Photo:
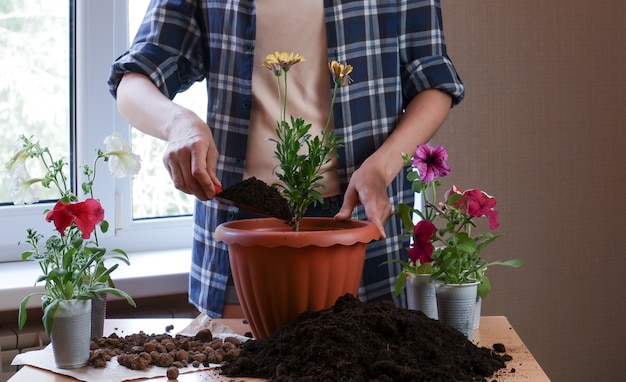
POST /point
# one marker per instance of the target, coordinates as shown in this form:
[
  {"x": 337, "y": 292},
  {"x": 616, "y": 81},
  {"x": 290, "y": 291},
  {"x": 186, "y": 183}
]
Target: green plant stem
[
  {"x": 433, "y": 193},
  {"x": 52, "y": 168},
  {"x": 332, "y": 102},
  {"x": 283, "y": 116}
]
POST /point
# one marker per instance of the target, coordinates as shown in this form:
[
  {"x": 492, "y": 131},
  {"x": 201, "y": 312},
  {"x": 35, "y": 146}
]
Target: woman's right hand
[{"x": 191, "y": 154}]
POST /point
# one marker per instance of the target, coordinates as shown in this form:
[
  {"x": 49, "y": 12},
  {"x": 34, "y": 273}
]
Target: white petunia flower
[
  {"x": 16, "y": 166},
  {"x": 25, "y": 191},
  {"x": 122, "y": 161}
]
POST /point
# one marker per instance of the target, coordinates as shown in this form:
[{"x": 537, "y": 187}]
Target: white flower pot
[
  {"x": 71, "y": 334},
  {"x": 421, "y": 294},
  {"x": 478, "y": 307},
  {"x": 456, "y": 304},
  {"x": 477, "y": 312}
]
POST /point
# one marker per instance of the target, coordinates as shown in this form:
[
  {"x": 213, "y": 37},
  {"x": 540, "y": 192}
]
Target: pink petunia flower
[
  {"x": 479, "y": 204},
  {"x": 430, "y": 162}
]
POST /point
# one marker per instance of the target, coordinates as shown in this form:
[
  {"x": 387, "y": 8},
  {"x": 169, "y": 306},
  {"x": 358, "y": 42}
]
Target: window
[
  {"x": 71, "y": 111},
  {"x": 35, "y": 87},
  {"x": 166, "y": 201}
]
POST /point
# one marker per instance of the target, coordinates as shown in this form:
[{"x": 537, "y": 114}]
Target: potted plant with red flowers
[
  {"x": 444, "y": 234},
  {"x": 283, "y": 267},
  {"x": 72, "y": 263}
]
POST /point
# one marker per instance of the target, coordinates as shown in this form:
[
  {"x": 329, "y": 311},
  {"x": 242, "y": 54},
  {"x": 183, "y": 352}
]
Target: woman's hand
[
  {"x": 368, "y": 187},
  {"x": 191, "y": 154},
  {"x": 191, "y": 157}
]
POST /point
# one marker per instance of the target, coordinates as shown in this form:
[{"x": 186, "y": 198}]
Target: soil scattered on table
[
  {"x": 256, "y": 196},
  {"x": 141, "y": 351},
  {"x": 356, "y": 341}
]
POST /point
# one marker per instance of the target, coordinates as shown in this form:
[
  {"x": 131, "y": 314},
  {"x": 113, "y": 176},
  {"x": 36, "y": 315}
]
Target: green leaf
[
  {"x": 484, "y": 287},
  {"x": 453, "y": 198},
  {"x": 68, "y": 290},
  {"x": 49, "y": 314},
  {"x": 104, "y": 226},
  {"x": 425, "y": 268},
  {"x": 23, "y": 309},
  {"x": 515, "y": 263},
  {"x": 399, "y": 285},
  {"x": 119, "y": 293},
  {"x": 404, "y": 212},
  {"x": 105, "y": 275},
  {"x": 412, "y": 176},
  {"x": 466, "y": 244},
  {"x": 26, "y": 255}
]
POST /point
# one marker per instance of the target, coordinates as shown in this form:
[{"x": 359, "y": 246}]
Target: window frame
[{"x": 101, "y": 35}]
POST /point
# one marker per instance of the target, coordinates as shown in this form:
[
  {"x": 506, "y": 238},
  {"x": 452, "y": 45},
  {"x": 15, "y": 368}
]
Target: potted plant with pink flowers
[{"x": 442, "y": 240}]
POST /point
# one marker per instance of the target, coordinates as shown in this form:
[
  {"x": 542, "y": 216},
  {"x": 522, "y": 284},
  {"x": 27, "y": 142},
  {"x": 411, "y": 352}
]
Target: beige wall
[{"x": 543, "y": 129}]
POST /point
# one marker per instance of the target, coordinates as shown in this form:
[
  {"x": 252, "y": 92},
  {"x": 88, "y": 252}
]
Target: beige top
[{"x": 303, "y": 31}]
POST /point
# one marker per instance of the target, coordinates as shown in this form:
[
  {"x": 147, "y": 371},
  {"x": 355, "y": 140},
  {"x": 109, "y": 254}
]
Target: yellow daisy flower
[
  {"x": 340, "y": 72},
  {"x": 281, "y": 62}
]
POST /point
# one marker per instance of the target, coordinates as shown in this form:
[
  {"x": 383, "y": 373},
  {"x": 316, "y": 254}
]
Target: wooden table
[{"x": 493, "y": 329}]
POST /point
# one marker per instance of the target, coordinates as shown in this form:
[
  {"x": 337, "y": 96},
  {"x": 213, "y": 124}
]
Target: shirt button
[{"x": 245, "y": 104}]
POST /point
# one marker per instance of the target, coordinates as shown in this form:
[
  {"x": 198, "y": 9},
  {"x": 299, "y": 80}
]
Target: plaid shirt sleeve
[
  {"x": 397, "y": 50},
  {"x": 169, "y": 48},
  {"x": 423, "y": 56}
]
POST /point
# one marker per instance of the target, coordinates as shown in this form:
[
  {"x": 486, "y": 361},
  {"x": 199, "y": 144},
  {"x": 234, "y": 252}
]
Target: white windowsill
[{"x": 149, "y": 274}]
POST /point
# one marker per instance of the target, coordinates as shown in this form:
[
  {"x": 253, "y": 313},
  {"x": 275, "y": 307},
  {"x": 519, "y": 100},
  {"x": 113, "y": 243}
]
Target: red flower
[
  {"x": 475, "y": 203},
  {"x": 422, "y": 249},
  {"x": 480, "y": 204},
  {"x": 85, "y": 214}
]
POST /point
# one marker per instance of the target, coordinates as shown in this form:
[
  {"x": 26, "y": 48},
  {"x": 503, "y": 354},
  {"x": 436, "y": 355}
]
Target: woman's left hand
[{"x": 368, "y": 187}]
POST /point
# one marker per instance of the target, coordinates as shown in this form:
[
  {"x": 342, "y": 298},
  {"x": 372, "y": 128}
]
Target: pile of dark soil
[
  {"x": 355, "y": 341},
  {"x": 256, "y": 196}
]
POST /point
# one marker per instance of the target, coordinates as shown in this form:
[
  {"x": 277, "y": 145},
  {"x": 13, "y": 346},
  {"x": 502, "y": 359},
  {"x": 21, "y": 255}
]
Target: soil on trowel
[
  {"x": 356, "y": 341},
  {"x": 257, "y": 197}
]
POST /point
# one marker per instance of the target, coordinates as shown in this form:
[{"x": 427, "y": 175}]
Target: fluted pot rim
[{"x": 318, "y": 231}]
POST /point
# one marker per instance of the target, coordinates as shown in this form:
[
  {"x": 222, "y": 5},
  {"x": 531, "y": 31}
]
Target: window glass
[
  {"x": 34, "y": 90},
  {"x": 54, "y": 88},
  {"x": 163, "y": 199}
]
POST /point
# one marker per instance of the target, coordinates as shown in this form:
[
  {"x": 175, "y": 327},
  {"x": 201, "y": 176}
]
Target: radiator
[{"x": 14, "y": 341}]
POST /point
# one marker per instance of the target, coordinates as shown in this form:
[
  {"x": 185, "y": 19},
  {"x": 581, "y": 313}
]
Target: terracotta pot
[{"x": 280, "y": 274}]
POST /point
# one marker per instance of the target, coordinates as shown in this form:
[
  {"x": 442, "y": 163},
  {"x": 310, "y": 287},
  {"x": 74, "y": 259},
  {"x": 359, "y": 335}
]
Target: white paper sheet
[{"x": 114, "y": 372}]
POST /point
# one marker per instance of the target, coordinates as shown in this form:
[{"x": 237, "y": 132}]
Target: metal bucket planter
[{"x": 71, "y": 334}]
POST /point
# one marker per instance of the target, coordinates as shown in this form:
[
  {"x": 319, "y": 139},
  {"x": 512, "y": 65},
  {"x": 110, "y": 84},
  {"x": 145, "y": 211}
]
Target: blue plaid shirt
[{"x": 397, "y": 49}]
